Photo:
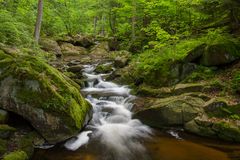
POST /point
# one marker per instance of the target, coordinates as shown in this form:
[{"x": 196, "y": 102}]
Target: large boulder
[
  {"x": 68, "y": 49},
  {"x": 50, "y": 101},
  {"x": 214, "y": 54},
  {"x": 51, "y": 46},
  {"x": 78, "y": 40},
  {"x": 171, "y": 111},
  {"x": 83, "y": 41}
]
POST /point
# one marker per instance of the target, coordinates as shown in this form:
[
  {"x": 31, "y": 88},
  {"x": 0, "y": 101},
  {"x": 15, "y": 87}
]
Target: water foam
[{"x": 112, "y": 122}]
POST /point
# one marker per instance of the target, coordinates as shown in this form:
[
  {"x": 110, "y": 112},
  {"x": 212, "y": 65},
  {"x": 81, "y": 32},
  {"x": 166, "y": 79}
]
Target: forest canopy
[{"x": 139, "y": 24}]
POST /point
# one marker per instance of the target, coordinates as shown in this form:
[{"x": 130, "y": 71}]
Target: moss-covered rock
[
  {"x": 50, "y": 45},
  {"x": 16, "y": 155},
  {"x": 178, "y": 89},
  {"x": 3, "y": 116},
  {"x": 162, "y": 92},
  {"x": 104, "y": 68},
  {"x": 78, "y": 40},
  {"x": 100, "y": 52},
  {"x": 216, "y": 128},
  {"x": 219, "y": 107},
  {"x": 120, "y": 58},
  {"x": 82, "y": 40},
  {"x": 49, "y": 100},
  {"x": 68, "y": 49},
  {"x": 216, "y": 54},
  {"x": 171, "y": 111}
]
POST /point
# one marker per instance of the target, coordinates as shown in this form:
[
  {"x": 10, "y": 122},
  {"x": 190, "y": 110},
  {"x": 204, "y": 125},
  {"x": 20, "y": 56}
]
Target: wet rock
[
  {"x": 73, "y": 63},
  {"x": 3, "y": 116},
  {"x": 51, "y": 46},
  {"x": 75, "y": 69},
  {"x": 49, "y": 100}
]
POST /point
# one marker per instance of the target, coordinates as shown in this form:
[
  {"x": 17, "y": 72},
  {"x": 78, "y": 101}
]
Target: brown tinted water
[{"x": 162, "y": 146}]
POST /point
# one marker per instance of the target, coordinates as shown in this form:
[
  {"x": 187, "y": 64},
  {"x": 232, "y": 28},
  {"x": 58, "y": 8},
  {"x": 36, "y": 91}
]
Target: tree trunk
[
  {"x": 134, "y": 19},
  {"x": 38, "y": 21},
  {"x": 103, "y": 26},
  {"x": 95, "y": 21}
]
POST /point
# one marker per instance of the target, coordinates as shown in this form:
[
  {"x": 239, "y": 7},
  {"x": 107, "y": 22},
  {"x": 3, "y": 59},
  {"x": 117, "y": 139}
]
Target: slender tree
[
  {"x": 134, "y": 19},
  {"x": 38, "y": 21}
]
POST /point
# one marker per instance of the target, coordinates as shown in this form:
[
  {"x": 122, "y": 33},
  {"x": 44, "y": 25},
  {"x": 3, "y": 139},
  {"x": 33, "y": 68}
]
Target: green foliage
[
  {"x": 236, "y": 82},
  {"x": 13, "y": 32},
  {"x": 152, "y": 65},
  {"x": 3, "y": 146}
]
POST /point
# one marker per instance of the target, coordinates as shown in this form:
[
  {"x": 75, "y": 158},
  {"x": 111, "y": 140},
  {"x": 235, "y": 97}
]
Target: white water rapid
[{"x": 112, "y": 124}]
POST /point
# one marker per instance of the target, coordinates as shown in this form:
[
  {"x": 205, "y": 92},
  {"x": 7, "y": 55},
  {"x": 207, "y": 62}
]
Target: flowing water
[
  {"x": 112, "y": 134},
  {"x": 112, "y": 124}
]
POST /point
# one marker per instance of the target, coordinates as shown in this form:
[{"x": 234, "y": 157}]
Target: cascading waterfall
[{"x": 112, "y": 124}]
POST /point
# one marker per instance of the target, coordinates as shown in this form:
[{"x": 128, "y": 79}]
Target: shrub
[{"x": 12, "y": 31}]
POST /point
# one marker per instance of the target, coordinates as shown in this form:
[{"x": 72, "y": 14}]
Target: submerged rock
[{"x": 49, "y": 100}]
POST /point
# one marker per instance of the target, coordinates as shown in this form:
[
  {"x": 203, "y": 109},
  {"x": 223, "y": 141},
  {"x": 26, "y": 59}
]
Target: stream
[{"x": 112, "y": 134}]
